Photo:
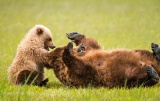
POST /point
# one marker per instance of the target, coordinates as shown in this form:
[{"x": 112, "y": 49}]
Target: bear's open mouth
[
  {"x": 50, "y": 47},
  {"x": 47, "y": 48}
]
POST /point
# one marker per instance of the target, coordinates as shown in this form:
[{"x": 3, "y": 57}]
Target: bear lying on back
[
  {"x": 57, "y": 64},
  {"x": 68, "y": 76},
  {"x": 112, "y": 68},
  {"x": 32, "y": 55}
]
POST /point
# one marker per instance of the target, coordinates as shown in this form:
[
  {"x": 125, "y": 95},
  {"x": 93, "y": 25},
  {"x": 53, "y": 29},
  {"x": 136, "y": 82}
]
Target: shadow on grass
[{"x": 55, "y": 85}]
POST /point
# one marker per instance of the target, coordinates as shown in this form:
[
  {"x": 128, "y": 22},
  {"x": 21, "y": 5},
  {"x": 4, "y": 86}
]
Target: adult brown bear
[
  {"x": 57, "y": 64},
  {"x": 115, "y": 68}
]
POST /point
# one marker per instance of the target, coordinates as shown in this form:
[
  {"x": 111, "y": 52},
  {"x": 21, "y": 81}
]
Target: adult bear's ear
[{"x": 39, "y": 31}]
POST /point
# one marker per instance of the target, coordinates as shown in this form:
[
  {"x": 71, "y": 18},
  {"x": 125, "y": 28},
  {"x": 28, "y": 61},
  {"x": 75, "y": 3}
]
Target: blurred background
[{"x": 129, "y": 24}]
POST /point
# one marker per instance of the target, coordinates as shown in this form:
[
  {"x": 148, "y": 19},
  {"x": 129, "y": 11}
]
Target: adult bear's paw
[
  {"x": 81, "y": 48},
  {"x": 70, "y": 46},
  {"x": 156, "y": 50},
  {"x": 73, "y": 35},
  {"x": 152, "y": 73}
]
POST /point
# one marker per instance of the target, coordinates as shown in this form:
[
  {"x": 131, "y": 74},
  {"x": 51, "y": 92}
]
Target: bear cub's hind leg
[
  {"x": 156, "y": 50},
  {"x": 31, "y": 77}
]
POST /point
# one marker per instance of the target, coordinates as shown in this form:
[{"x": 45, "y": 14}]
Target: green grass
[{"x": 132, "y": 24}]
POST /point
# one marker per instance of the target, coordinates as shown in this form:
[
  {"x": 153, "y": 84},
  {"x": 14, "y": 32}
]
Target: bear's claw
[
  {"x": 73, "y": 35},
  {"x": 44, "y": 82},
  {"x": 81, "y": 48},
  {"x": 70, "y": 46},
  {"x": 152, "y": 73},
  {"x": 156, "y": 50}
]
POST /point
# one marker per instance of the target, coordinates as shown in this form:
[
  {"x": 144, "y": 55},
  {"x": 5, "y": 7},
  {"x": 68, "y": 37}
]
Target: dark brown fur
[
  {"x": 56, "y": 62},
  {"x": 93, "y": 67},
  {"x": 111, "y": 68}
]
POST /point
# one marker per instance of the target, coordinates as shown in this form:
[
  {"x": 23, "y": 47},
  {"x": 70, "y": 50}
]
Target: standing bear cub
[{"x": 32, "y": 56}]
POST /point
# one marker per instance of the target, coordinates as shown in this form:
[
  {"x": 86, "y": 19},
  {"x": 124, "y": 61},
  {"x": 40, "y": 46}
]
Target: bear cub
[{"x": 32, "y": 57}]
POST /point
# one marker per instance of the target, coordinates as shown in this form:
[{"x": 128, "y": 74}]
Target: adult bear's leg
[
  {"x": 156, "y": 50},
  {"x": 74, "y": 64},
  {"x": 153, "y": 77}
]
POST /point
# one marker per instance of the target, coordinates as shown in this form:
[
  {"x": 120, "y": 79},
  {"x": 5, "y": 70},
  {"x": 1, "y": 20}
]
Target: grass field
[{"x": 132, "y": 24}]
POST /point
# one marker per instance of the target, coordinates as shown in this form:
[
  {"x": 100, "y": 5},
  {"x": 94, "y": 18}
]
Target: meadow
[{"x": 127, "y": 24}]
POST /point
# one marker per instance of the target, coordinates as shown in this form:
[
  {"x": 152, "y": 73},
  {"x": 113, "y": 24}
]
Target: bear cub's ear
[{"x": 39, "y": 31}]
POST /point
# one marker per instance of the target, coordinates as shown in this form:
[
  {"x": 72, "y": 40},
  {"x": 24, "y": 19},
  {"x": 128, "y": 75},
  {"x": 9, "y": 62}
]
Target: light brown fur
[{"x": 32, "y": 55}]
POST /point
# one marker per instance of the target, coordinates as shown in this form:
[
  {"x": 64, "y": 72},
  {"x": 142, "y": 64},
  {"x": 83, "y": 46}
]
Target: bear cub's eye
[{"x": 49, "y": 39}]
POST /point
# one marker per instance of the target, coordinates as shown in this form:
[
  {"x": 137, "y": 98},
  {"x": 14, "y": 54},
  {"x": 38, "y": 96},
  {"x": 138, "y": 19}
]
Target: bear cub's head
[{"x": 41, "y": 36}]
